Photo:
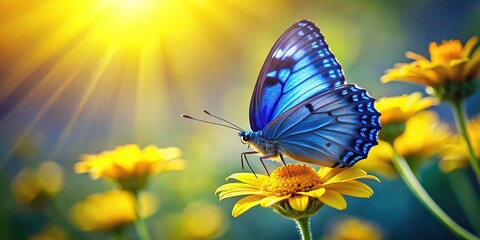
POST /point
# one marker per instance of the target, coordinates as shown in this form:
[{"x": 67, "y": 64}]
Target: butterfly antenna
[
  {"x": 214, "y": 123},
  {"x": 221, "y": 119}
]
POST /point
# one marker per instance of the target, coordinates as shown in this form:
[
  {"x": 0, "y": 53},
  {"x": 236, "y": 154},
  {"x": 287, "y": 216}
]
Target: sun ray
[
  {"x": 91, "y": 86},
  {"x": 45, "y": 51},
  {"x": 30, "y": 98},
  {"x": 77, "y": 69}
]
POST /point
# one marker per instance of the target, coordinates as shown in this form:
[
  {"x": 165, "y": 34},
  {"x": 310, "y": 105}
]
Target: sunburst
[{"x": 65, "y": 65}]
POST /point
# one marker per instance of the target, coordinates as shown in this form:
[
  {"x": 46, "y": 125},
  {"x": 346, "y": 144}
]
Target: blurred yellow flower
[
  {"x": 50, "y": 233},
  {"x": 110, "y": 210},
  {"x": 354, "y": 229},
  {"x": 401, "y": 108},
  {"x": 450, "y": 71},
  {"x": 201, "y": 220},
  {"x": 397, "y": 110},
  {"x": 424, "y": 137},
  {"x": 455, "y": 155},
  {"x": 33, "y": 187},
  {"x": 379, "y": 160},
  {"x": 296, "y": 190},
  {"x": 129, "y": 165}
]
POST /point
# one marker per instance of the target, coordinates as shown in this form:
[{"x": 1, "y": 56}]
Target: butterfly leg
[
  {"x": 265, "y": 167},
  {"x": 244, "y": 156},
  {"x": 283, "y": 161},
  {"x": 272, "y": 155}
]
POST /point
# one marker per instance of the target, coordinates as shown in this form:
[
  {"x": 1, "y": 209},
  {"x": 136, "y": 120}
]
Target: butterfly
[{"x": 303, "y": 109}]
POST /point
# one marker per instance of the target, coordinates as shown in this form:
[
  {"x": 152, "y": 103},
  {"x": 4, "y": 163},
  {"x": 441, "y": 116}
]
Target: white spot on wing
[
  {"x": 272, "y": 74},
  {"x": 278, "y": 53},
  {"x": 290, "y": 52}
]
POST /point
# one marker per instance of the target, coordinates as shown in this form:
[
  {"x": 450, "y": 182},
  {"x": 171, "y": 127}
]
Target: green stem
[
  {"x": 303, "y": 225},
  {"x": 460, "y": 119},
  {"x": 142, "y": 231},
  {"x": 409, "y": 178}
]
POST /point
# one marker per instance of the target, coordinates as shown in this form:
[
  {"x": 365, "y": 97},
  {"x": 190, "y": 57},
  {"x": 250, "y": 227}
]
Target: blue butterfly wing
[
  {"x": 336, "y": 128},
  {"x": 299, "y": 66}
]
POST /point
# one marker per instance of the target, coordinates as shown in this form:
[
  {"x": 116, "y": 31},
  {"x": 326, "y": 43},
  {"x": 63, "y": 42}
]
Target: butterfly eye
[{"x": 245, "y": 137}]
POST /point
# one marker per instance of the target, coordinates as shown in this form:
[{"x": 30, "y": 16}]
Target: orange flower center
[
  {"x": 445, "y": 52},
  {"x": 290, "y": 179}
]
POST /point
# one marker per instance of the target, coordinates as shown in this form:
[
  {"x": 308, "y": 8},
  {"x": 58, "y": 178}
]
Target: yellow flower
[
  {"x": 50, "y": 233},
  {"x": 354, "y": 229},
  {"x": 455, "y": 155},
  {"x": 450, "y": 70},
  {"x": 401, "y": 108},
  {"x": 379, "y": 160},
  {"x": 423, "y": 138},
  {"x": 296, "y": 190},
  {"x": 111, "y": 210},
  {"x": 397, "y": 110},
  {"x": 194, "y": 225},
  {"x": 34, "y": 187},
  {"x": 129, "y": 165}
]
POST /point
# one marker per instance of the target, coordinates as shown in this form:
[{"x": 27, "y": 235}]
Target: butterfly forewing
[
  {"x": 336, "y": 128},
  {"x": 299, "y": 66}
]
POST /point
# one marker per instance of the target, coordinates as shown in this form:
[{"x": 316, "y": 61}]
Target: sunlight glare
[{"x": 97, "y": 62}]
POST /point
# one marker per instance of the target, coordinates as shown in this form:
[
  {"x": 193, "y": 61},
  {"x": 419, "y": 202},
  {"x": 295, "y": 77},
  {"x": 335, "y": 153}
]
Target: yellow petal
[
  {"x": 170, "y": 165},
  {"x": 230, "y": 194},
  {"x": 472, "y": 69},
  {"x": 414, "y": 79},
  {"x": 299, "y": 203},
  {"x": 447, "y": 165},
  {"x": 229, "y": 187},
  {"x": 315, "y": 193},
  {"x": 169, "y": 152},
  {"x": 271, "y": 200},
  {"x": 427, "y": 75},
  {"x": 467, "y": 49},
  {"x": 326, "y": 173},
  {"x": 352, "y": 188},
  {"x": 81, "y": 167},
  {"x": 237, "y": 189},
  {"x": 413, "y": 73},
  {"x": 333, "y": 199},
  {"x": 415, "y": 56},
  {"x": 456, "y": 69},
  {"x": 246, "y": 203},
  {"x": 370, "y": 177},
  {"x": 249, "y": 178},
  {"x": 348, "y": 174}
]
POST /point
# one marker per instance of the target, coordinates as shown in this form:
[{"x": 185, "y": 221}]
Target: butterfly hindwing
[
  {"x": 299, "y": 66},
  {"x": 336, "y": 128}
]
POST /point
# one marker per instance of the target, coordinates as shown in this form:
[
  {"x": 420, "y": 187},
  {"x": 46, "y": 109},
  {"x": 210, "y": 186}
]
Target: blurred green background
[{"x": 87, "y": 76}]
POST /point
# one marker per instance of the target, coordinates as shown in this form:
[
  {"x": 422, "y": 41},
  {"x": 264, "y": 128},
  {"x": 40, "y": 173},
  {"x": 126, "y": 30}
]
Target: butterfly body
[
  {"x": 302, "y": 108},
  {"x": 263, "y": 146}
]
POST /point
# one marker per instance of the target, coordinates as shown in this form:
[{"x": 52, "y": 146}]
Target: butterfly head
[{"x": 245, "y": 136}]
